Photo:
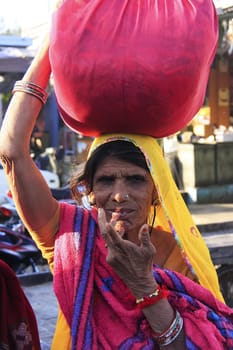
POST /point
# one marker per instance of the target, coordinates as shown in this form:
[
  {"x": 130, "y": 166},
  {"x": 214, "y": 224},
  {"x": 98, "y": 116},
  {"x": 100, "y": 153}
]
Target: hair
[{"x": 82, "y": 182}]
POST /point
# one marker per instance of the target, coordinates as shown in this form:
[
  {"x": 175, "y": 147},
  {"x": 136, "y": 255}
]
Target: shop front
[{"x": 204, "y": 154}]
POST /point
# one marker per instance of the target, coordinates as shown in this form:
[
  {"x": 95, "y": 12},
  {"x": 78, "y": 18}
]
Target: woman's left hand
[{"x": 133, "y": 263}]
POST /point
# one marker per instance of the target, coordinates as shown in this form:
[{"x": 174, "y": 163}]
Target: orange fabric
[
  {"x": 62, "y": 336},
  {"x": 175, "y": 262},
  {"x": 45, "y": 237}
]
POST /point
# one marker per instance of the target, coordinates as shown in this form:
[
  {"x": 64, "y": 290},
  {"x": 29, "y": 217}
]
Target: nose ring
[{"x": 126, "y": 196}]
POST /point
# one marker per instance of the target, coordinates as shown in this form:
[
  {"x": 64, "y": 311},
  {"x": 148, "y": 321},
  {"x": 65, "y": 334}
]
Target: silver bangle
[{"x": 171, "y": 333}]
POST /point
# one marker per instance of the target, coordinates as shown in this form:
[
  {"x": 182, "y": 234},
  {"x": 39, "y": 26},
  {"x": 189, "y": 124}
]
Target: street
[{"x": 44, "y": 303}]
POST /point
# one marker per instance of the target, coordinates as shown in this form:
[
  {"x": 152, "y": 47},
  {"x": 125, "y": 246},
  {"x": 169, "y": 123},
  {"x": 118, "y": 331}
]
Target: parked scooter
[
  {"x": 18, "y": 251},
  {"x": 49, "y": 162},
  {"x": 9, "y": 215},
  {"x": 62, "y": 193},
  {"x": 51, "y": 178},
  {"x": 17, "y": 248}
]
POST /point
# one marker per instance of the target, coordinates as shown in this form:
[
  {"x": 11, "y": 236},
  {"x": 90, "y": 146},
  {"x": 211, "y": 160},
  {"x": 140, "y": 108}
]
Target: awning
[
  {"x": 14, "y": 60},
  {"x": 224, "y": 8},
  {"x": 13, "y": 64}
]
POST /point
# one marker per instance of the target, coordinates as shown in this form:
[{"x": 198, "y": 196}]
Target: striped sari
[{"x": 99, "y": 308}]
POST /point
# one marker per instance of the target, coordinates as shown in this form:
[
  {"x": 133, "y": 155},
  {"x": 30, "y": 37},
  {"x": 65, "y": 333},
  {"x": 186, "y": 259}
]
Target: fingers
[
  {"x": 113, "y": 232},
  {"x": 102, "y": 221},
  {"x": 105, "y": 228},
  {"x": 144, "y": 235},
  {"x": 117, "y": 225}
]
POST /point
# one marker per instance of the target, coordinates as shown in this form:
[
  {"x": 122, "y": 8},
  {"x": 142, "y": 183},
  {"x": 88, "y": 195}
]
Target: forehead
[{"x": 113, "y": 165}]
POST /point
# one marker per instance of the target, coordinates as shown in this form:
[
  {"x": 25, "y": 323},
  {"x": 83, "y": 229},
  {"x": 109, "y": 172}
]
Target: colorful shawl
[
  {"x": 99, "y": 308},
  {"x": 18, "y": 327}
]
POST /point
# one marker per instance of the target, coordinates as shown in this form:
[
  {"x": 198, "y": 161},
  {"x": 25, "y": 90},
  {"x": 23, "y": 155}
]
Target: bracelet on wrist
[
  {"x": 171, "y": 333},
  {"x": 31, "y": 89},
  {"x": 153, "y": 298}
]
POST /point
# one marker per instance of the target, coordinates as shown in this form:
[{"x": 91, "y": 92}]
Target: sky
[
  {"x": 25, "y": 13},
  {"x": 29, "y": 13},
  {"x": 224, "y": 3}
]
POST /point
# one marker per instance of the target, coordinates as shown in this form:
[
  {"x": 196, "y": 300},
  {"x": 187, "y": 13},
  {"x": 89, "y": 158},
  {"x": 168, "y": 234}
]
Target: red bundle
[{"x": 137, "y": 66}]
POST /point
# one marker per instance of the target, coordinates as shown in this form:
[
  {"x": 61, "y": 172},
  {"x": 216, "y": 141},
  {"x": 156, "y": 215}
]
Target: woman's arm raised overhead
[{"x": 31, "y": 194}]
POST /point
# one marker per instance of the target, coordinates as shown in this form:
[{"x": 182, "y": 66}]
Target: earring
[
  {"x": 91, "y": 198},
  {"x": 155, "y": 202}
]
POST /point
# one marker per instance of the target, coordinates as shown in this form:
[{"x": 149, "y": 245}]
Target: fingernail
[{"x": 115, "y": 216}]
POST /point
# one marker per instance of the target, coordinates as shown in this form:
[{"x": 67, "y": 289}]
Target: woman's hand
[{"x": 131, "y": 262}]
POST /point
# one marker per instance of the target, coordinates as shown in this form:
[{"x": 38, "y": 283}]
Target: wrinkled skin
[
  {"x": 132, "y": 263},
  {"x": 122, "y": 221}
]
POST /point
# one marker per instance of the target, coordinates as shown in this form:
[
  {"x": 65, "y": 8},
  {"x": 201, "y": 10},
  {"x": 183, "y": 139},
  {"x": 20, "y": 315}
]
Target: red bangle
[
  {"x": 153, "y": 298},
  {"x": 171, "y": 333}
]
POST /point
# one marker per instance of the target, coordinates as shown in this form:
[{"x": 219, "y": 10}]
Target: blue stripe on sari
[
  {"x": 218, "y": 321},
  {"x": 190, "y": 345},
  {"x": 177, "y": 283},
  {"x": 84, "y": 277}
]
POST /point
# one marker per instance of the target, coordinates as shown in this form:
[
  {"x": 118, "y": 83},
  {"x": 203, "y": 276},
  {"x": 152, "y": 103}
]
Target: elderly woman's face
[{"x": 126, "y": 189}]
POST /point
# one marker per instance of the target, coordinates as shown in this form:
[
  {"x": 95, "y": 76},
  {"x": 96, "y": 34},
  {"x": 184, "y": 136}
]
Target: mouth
[
  {"x": 121, "y": 219},
  {"x": 119, "y": 213}
]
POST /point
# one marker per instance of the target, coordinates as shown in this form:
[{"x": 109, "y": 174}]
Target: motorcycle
[
  {"x": 51, "y": 178},
  {"x": 18, "y": 251},
  {"x": 17, "y": 248}
]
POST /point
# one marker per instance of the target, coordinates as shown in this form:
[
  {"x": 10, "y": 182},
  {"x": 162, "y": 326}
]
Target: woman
[
  {"x": 110, "y": 263},
  {"x": 18, "y": 325}
]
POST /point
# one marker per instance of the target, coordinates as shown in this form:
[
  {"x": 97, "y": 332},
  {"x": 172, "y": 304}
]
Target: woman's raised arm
[{"x": 31, "y": 194}]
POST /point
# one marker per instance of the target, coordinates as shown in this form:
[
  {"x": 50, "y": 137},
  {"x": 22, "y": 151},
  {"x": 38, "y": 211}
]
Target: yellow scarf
[{"x": 172, "y": 212}]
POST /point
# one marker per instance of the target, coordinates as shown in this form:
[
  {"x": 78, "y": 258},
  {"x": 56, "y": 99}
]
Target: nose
[
  {"x": 120, "y": 191},
  {"x": 120, "y": 197}
]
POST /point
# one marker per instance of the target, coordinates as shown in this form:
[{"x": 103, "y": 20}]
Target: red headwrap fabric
[
  {"x": 18, "y": 327},
  {"x": 132, "y": 66}
]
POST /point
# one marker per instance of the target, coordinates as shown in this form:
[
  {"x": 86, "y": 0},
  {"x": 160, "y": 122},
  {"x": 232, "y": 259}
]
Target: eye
[
  {"x": 136, "y": 179},
  {"x": 105, "y": 180}
]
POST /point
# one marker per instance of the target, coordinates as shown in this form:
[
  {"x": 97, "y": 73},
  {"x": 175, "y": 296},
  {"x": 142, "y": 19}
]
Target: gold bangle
[
  {"x": 153, "y": 298},
  {"x": 31, "y": 89}
]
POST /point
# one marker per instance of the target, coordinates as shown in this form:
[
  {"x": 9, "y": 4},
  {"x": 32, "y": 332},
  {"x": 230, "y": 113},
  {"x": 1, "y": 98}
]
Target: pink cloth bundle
[{"x": 132, "y": 66}]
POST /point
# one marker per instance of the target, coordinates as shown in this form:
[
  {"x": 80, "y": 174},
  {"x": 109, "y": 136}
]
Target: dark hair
[{"x": 120, "y": 149}]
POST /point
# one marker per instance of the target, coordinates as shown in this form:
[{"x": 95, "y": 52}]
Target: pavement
[
  {"x": 208, "y": 214},
  {"x": 44, "y": 304},
  {"x": 40, "y": 292}
]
